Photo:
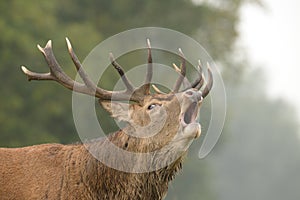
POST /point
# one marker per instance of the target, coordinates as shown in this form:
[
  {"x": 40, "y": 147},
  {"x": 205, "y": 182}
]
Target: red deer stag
[{"x": 56, "y": 171}]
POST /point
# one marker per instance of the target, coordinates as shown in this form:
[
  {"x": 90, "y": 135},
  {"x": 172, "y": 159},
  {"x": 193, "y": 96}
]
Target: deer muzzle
[{"x": 191, "y": 101}]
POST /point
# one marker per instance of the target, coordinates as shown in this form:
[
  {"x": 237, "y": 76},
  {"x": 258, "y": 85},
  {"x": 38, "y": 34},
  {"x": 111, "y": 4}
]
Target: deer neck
[{"x": 103, "y": 179}]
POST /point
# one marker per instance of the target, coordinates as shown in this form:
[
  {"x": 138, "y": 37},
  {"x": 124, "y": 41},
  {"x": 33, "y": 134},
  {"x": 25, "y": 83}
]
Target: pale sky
[{"x": 271, "y": 37}]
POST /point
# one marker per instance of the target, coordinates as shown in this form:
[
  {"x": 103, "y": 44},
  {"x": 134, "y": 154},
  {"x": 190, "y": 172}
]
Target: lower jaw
[{"x": 192, "y": 129}]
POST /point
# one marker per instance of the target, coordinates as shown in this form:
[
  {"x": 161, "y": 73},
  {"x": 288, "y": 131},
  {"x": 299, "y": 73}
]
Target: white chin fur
[
  {"x": 192, "y": 130},
  {"x": 187, "y": 133}
]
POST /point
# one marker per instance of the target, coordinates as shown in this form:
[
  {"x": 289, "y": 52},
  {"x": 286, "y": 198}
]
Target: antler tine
[
  {"x": 157, "y": 90},
  {"x": 209, "y": 82},
  {"x": 177, "y": 69},
  {"x": 56, "y": 73},
  {"x": 96, "y": 91},
  {"x": 99, "y": 92},
  {"x": 79, "y": 68},
  {"x": 182, "y": 72},
  {"x": 199, "y": 80},
  {"x": 149, "y": 69},
  {"x": 120, "y": 70},
  {"x": 200, "y": 83},
  {"x": 36, "y": 76}
]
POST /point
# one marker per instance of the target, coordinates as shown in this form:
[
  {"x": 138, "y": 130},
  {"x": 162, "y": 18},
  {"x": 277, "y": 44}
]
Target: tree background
[{"x": 257, "y": 155}]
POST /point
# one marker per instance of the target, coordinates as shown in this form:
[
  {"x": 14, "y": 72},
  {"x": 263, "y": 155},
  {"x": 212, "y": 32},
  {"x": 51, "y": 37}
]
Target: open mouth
[{"x": 191, "y": 113}]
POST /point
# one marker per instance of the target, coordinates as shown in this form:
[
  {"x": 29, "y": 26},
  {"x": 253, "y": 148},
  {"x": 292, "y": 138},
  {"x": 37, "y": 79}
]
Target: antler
[
  {"x": 130, "y": 93},
  {"x": 209, "y": 82},
  {"x": 198, "y": 83},
  {"x": 149, "y": 70},
  {"x": 57, "y": 74},
  {"x": 181, "y": 70}
]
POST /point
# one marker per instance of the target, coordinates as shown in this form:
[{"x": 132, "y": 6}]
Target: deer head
[{"x": 154, "y": 119}]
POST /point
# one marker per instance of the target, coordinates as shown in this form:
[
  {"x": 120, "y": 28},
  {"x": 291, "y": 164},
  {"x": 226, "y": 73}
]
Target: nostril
[{"x": 189, "y": 93}]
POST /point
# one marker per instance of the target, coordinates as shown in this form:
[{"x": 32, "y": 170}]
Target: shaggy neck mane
[{"x": 111, "y": 183}]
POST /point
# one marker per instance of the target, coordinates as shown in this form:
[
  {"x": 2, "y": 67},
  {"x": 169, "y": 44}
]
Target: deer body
[
  {"x": 55, "y": 171},
  {"x": 160, "y": 125},
  {"x": 21, "y": 180},
  {"x": 70, "y": 172}
]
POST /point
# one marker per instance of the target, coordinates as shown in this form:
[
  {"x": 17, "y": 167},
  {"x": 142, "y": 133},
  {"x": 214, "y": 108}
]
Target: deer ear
[{"x": 120, "y": 111}]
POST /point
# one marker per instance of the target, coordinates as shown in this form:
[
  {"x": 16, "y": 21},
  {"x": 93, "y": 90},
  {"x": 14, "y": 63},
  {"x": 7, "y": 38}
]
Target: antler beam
[
  {"x": 89, "y": 87},
  {"x": 130, "y": 93}
]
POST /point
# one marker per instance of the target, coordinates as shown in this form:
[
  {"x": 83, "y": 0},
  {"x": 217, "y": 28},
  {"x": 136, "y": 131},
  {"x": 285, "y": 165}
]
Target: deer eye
[{"x": 151, "y": 106}]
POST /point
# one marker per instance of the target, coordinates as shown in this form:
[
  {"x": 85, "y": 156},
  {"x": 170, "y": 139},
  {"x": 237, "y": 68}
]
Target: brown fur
[
  {"x": 162, "y": 125},
  {"x": 55, "y": 171}
]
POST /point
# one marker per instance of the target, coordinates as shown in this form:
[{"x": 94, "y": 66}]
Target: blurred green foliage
[{"x": 40, "y": 112}]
